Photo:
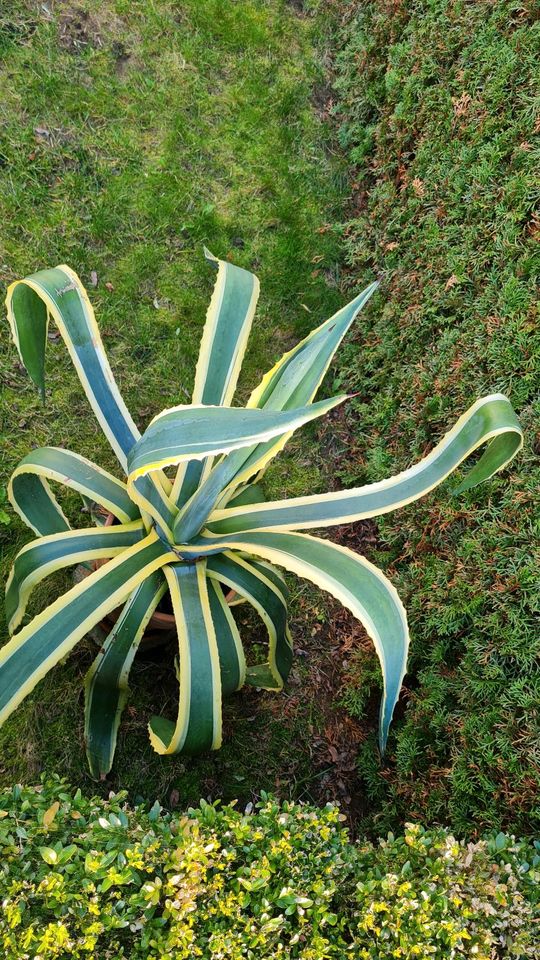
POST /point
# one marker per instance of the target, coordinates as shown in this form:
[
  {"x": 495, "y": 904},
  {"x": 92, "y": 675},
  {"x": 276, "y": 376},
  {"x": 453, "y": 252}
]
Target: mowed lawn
[{"x": 133, "y": 133}]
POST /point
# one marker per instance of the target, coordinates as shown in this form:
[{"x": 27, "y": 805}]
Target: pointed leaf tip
[{"x": 209, "y": 256}]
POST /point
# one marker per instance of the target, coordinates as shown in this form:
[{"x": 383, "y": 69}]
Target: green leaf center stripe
[
  {"x": 32, "y": 652},
  {"x": 489, "y": 420},
  {"x": 226, "y": 331},
  {"x": 254, "y": 583},
  {"x": 106, "y": 684},
  {"x": 32, "y": 499},
  {"x": 198, "y": 723},
  {"x": 356, "y": 583},
  {"x": 39, "y": 559},
  {"x": 273, "y": 574}
]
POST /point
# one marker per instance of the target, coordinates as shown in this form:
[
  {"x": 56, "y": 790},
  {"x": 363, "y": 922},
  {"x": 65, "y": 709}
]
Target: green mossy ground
[
  {"x": 132, "y": 134},
  {"x": 438, "y": 106}
]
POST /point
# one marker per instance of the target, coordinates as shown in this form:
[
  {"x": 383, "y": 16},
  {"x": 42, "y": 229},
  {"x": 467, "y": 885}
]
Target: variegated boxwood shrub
[{"x": 92, "y": 878}]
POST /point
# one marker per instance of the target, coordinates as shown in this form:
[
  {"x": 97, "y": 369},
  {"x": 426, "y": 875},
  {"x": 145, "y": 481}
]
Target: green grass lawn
[
  {"x": 132, "y": 133},
  {"x": 439, "y": 112}
]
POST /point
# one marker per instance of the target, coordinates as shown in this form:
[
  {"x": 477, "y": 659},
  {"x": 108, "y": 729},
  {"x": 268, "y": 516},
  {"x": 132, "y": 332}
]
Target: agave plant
[{"x": 210, "y": 527}]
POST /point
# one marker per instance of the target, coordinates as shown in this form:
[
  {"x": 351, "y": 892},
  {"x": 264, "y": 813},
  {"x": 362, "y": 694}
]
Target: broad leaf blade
[
  {"x": 198, "y": 723},
  {"x": 490, "y": 420},
  {"x": 355, "y": 582},
  {"x": 32, "y": 652},
  {"x": 297, "y": 376},
  {"x": 29, "y": 321},
  {"x": 39, "y": 559},
  {"x": 193, "y": 432},
  {"x": 267, "y": 593},
  {"x": 292, "y": 382},
  {"x": 232, "y": 661},
  {"x": 244, "y": 425},
  {"x": 226, "y": 332},
  {"x": 106, "y": 685},
  {"x": 32, "y": 498},
  {"x": 189, "y": 432},
  {"x": 60, "y": 294},
  {"x": 225, "y": 336},
  {"x": 250, "y": 493}
]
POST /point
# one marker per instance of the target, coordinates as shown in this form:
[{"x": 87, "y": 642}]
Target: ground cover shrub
[
  {"x": 437, "y": 107},
  {"x": 96, "y": 878}
]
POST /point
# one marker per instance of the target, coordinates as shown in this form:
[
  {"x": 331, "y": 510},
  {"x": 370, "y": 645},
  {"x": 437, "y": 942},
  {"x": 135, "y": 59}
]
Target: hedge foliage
[
  {"x": 438, "y": 109},
  {"x": 88, "y": 878}
]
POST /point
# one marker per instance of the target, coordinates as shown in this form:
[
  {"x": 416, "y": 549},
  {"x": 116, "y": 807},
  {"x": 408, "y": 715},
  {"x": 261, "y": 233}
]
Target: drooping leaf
[
  {"x": 232, "y": 661},
  {"x": 193, "y": 432},
  {"x": 260, "y": 586},
  {"x": 198, "y": 723},
  {"x": 490, "y": 420},
  {"x": 352, "y": 580},
  {"x": 32, "y": 652},
  {"x": 31, "y": 497},
  {"x": 106, "y": 684},
  {"x": 59, "y": 293}
]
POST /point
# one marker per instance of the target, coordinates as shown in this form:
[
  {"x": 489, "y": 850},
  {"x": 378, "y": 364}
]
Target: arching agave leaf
[
  {"x": 490, "y": 420},
  {"x": 223, "y": 345}
]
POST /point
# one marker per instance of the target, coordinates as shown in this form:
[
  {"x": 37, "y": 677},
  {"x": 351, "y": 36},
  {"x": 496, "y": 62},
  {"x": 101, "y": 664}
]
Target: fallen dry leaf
[{"x": 50, "y": 814}]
